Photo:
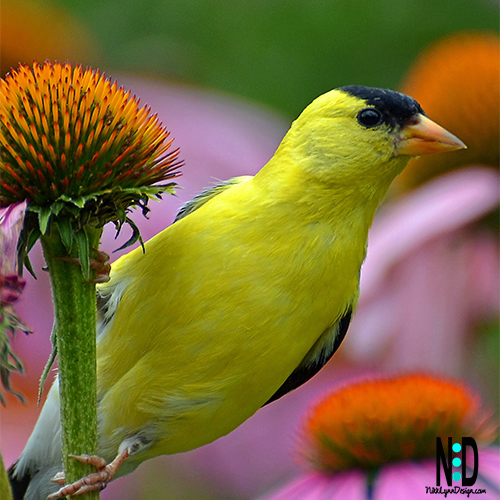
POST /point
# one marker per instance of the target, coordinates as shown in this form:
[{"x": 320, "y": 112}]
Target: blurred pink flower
[
  {"x": 400, "y": 480},
  {"x": 376, "y": 439},
  {"x": 431, "y": 275},
  {"x": 11, "y": 224},
  {"x": 11, "y": 287}
]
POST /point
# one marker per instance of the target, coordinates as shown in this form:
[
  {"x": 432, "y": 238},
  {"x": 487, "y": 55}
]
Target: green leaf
[
  {"x": 121, "y": 215},
  {"x": 29, "y": 266},
  {"x": 80, "y": 201},
  {"x": 74, "y": 204},
  {"x": 136, "y": 235},
  {"x": 74, "y": 210},
  {"x": 83, "y": 251},
  {"x": 32, "y": 237},
  {"x": 66, "y": 231},
  {"x": 28, "y": 238},
  {"x": 56, "y": 207},
  {"x": 48, "y": 365},
  {"x": 44, "y": 215}
]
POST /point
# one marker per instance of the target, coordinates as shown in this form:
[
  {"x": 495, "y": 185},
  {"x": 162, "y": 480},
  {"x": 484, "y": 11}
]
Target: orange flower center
[
  {"x": 457, "y": 82},
  {"x": 71, "y": 133},
  {"x": 373, "y": 422}
]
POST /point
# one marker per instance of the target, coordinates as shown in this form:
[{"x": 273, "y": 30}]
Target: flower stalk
[
  {"x": 5, "y": 489},
  {"x": 74, "y": 300},
  {"x": 81, "y": 152}
]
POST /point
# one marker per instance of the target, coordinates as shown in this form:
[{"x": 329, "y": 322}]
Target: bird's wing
[
  {"x": 109, "y": 294},
  {"x": 200, "y": 199},
  {"x": 317, "y": 357}
]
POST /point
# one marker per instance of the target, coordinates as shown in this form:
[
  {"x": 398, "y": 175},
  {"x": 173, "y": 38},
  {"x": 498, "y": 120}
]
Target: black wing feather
[{"x": 309, "y": 367}]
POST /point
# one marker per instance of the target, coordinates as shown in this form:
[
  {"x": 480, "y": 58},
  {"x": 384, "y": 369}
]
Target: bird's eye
[{"x": 369, "y": 117}]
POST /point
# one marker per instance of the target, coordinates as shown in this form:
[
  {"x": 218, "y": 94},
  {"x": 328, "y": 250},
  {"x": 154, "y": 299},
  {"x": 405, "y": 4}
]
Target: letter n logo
[{"x": 441, "y": 457}]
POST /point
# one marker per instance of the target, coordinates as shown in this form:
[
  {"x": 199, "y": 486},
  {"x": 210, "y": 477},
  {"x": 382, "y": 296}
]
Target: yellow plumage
[
  {"x": 251, "y": 281},
  {"x": 233, "y": 296}
]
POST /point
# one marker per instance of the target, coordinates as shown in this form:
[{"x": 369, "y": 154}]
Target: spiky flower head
[
  {"x": 457, "y": 82},
  {"x": 378, "y": 421},
  {"x": 78, "y": 147}
]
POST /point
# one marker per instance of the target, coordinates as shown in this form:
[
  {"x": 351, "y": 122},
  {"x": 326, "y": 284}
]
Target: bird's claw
[
  {"x": 59, "y": 478},
  {"x": 95, "y": 481},
  {"x": 99, "y": 264}
]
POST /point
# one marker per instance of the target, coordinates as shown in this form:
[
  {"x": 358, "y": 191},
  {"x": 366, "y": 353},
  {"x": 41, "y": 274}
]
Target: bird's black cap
[{"x": 396, "y": 108}]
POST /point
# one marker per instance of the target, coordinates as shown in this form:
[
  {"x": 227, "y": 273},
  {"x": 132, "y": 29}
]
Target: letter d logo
[{"x": 469, "y": 481}]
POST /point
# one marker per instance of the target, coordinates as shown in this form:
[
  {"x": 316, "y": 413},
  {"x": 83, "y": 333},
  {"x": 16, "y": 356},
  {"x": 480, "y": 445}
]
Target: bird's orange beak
[{"x": 424, "y": 137}]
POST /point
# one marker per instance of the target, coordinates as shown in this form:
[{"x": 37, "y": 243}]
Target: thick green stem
[{"x": 75, "y": 326}]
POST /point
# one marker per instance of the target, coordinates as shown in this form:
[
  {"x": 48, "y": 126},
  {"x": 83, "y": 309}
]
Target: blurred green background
[{"x": 280, "y": 53}]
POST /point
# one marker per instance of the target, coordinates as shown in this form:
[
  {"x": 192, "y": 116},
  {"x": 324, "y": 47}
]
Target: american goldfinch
[{"x": 246, "y": 295}]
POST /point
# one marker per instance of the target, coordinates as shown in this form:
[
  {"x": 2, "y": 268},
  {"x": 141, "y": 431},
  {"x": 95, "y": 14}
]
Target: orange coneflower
[
  {"x": 78, "y": 148},
  {"x": 68, "y": 132},
  {"x": 81, "y": 152},
  {"x": 457, "y": 82},
  {"x": 376, "y": 421},
  {"x": 37, "y": 30},
  {"x": 376, "y": 439}
]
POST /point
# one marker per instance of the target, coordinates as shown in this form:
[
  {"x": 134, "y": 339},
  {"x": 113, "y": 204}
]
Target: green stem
[
  {"x": 5, "y": 489},
  {"x": 75, "y": 327}
]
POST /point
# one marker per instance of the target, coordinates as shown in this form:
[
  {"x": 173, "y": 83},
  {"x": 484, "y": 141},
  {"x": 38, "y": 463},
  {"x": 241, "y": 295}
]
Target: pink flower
[
  {"x": 431, "y": 276},
  {"x": 11, "y": 224},
  {"x": 11, "y": 287},
  {"x": 376, "y": 439},
  {"x": 407, "y": 480}
]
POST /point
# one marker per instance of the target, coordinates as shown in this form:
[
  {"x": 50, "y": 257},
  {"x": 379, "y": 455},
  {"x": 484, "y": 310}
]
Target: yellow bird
[{"x": 246, "y": 295}]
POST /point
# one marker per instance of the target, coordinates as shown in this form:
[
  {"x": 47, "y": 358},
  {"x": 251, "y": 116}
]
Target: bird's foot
[
  {"x": 98, "y": 263},
  {"x": 96, "y": 481}
]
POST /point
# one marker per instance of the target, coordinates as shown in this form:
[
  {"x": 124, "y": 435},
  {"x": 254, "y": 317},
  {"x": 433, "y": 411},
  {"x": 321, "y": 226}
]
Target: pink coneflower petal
[
  {"x": 489, "y": 471},
  {"x": 304, "y": 487},
  {"x": 11, "y": 224},
  {"x": 429, "y": 274},
  {"x": 448, "y": 203},
  {"x": 349, "y": 485},
  {"x": 406, "y": 480}
]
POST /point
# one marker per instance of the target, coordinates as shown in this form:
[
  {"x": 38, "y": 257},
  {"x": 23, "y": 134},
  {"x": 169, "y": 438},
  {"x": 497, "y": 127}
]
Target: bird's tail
[
  {"x": 32, "y": 483},
  {"x": 19, "y": 485},
  {"x": 41, "y": 458}
]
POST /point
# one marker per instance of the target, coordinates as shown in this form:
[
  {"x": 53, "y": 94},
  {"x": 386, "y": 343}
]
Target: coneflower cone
[{"x": 78, "y": 148}]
